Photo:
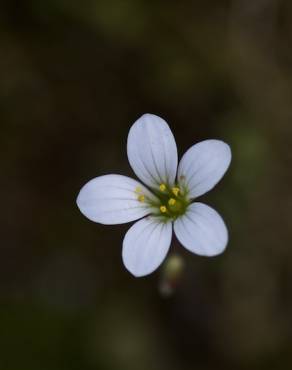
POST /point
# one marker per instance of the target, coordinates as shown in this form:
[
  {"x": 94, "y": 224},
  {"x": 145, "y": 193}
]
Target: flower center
[{"x": 171, "y": 202}]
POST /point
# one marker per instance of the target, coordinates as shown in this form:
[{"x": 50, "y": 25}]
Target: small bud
[{"x": 171, "y": 274}]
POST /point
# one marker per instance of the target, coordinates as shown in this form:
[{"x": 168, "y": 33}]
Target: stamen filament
[
  {"x": 163, "y": 209},
  {"x": 141, "y": 198},
  {"x": 175, "y": 191},
  {"x": 171, "y": 201},
  {"x": 162, "y": 187},
  {"x": 138, "y": 189}
]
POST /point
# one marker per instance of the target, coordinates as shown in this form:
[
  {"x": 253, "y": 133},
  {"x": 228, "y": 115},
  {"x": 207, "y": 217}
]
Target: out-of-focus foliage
[{"x": 74, "y": 75}]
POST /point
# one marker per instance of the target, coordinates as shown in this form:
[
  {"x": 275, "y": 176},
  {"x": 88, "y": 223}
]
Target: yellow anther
[
  {"x": 141, "y": 198},
  {"x": 138, "y": 189},
  {"x": 171, "y": 201},
  {"x": 162, "y": 187},
  {"x": 175, "y": 191},
  {"x": 163, "y": 209}
]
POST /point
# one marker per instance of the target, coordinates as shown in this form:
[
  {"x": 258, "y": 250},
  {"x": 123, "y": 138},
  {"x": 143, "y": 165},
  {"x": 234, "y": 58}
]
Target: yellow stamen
[
  {"x": 175, "y": 191},
  {"x": 141, "y": 198},
  {"x": 162, "y": 187},
  {"x": 171, "y": 201},
  {"x": 138, "y": 189},
  {"x": 163, "y": 209}
]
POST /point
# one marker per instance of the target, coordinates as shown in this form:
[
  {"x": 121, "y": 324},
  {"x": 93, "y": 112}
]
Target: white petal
[
  {"x": 145, "y": 245},
  {"x": 112, "y": 199},
  {"x": 203, "y": 166},
  {"x": 201, "y": 230},
  {"x": 152, "y": 151}
]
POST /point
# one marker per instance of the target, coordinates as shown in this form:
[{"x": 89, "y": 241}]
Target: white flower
[{"x": 167, "y": 201}]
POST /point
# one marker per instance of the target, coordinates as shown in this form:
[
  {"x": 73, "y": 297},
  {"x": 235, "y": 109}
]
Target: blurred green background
[{"x": 74, "y": 76}]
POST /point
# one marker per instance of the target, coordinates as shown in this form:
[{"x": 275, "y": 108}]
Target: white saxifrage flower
[{"x": 167, "y": 200}]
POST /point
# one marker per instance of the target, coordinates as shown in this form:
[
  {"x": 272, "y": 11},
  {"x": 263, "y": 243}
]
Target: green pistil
[{"x": 172, "y": 202}]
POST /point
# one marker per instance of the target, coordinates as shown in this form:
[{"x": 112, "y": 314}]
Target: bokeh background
[{"x": 74, "y": 76}]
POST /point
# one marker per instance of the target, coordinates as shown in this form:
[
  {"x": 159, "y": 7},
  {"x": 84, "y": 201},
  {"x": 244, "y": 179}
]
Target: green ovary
[{"x": 173, "y": 202}]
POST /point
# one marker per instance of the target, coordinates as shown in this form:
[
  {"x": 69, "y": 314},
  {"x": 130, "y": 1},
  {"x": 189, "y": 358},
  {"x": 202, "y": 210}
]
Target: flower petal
[
  {"x": 145, "y": 245},
  {"x": 113, "y": 199},
  {"x": 203, "y": 166},
  {"x": 202, "y": 230},
  {"x": 152, "y": 151}
]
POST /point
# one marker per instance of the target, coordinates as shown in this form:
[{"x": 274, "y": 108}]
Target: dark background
[{"x": 74, "y": 76}]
